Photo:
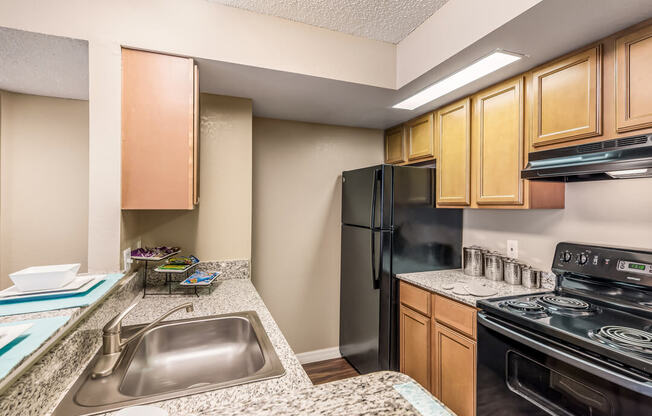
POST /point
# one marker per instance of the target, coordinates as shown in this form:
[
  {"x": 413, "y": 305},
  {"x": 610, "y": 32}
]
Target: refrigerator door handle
[{"x": 374, "y": 198}]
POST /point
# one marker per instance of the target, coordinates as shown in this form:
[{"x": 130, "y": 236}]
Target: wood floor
[{"x": 329, "y": 370}]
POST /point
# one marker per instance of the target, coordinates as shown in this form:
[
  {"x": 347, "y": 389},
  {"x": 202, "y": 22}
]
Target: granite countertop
[
  {"x": 434, "y": 281},
  {"x": 371, "y": 394},
  {"x": 233, "y": 295}
]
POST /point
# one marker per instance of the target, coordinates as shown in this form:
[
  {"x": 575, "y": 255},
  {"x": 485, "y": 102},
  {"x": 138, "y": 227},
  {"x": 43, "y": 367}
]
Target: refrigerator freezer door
[
  {"x": 366, "y": 197},
  {"x": 425, "y": 237},
  {"x": 359, "y": 299}
]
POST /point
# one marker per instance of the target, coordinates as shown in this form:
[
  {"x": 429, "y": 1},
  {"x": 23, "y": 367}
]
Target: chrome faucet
[{"x": 113, "y": 344}]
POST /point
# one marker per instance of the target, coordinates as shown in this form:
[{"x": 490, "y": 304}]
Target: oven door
[{"x": 521, "y": 374}]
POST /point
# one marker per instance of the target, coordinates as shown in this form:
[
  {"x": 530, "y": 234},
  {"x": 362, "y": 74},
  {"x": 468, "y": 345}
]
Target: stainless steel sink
[{"x": 178, "y": 358}]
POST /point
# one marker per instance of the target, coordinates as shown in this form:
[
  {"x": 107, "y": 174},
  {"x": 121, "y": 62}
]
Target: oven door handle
[{"x": 643, "y": 387}]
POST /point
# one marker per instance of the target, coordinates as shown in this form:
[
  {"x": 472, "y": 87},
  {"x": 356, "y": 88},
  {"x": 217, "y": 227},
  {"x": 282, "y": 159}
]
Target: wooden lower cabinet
[
  {"x": 415, "y": 346},
  {"x": 439, "y": 352},
  {"x": 453, "y": 358}
]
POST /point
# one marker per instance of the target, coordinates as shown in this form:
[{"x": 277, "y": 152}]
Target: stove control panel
[{"x": 613, "y": 263}]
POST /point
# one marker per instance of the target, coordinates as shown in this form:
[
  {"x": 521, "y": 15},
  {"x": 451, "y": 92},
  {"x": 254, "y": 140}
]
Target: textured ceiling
[
  {"x": 385, "y": 20},
  {"x": 51, "y": 66}
]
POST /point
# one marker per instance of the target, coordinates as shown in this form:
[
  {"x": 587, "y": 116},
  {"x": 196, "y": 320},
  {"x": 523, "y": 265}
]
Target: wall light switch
[{"x": 512, "y": 248}]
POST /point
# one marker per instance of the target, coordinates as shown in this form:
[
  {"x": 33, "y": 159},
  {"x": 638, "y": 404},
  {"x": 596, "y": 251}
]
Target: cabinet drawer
[
  {"x": 415, "y": 298},
  {"x": 455, "y": 315}
]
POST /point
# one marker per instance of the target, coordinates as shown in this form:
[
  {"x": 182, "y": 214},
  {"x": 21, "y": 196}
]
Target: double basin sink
[{"x": 175, "y": 359}]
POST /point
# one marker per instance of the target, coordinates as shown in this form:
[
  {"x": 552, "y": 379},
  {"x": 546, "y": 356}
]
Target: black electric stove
[{"x": 583, "y": 349}]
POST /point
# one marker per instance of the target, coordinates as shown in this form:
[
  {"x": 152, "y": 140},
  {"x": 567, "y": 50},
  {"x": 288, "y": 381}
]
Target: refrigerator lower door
[{"x": 360, "y": 297}]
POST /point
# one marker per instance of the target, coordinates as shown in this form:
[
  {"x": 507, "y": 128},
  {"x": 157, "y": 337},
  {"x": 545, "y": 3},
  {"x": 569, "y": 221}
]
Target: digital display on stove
[{"x": 628, "y": 266}]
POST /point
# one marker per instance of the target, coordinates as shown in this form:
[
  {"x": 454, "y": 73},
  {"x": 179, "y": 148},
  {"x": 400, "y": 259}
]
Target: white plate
[
  {"x": 480, "y": 290},
  {"x": 11, "y": 332},
  {"x": 79, "y": 285}
]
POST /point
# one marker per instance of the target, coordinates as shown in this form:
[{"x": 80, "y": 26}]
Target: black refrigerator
[{"x": 389, "y": 225}]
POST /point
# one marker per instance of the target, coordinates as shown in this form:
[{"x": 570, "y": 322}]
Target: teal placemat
[
  {"x": 75, "y": 301},
  {"x": 27, "y": 342},
  {"x": 421, "y": 400}
]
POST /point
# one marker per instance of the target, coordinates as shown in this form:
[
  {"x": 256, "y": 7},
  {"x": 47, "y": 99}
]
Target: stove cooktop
[{"x": 610, "y": 332}]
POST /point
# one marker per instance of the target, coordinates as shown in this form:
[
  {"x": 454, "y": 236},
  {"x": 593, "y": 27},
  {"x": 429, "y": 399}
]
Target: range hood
[{"x": 629, "y": 157}]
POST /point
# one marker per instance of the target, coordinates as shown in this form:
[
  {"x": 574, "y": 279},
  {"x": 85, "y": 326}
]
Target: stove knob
[
  {"x": 566, "y": 256},
  {"x": 582, "y": 259}
]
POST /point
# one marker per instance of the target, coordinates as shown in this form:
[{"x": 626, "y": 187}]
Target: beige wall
[
  {"x": 219, "y": 228},
  {"x": 43, "y": 182},
  {"x": 296, "y": 222},
  {"x": 605, "y": 212}
]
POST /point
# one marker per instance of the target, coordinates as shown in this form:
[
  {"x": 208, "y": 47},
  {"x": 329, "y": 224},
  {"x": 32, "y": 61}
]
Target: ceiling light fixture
[{"x": 476, "y": 70}]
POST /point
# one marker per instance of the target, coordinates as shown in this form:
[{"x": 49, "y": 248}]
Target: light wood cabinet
[
  {"x": 415, "y": 346},
  {"x": 395, "y": 145},
  {"x": 567, "y": 97},
  {"x": 159, "y": 133},
  {"x": 460, "y": 317},
  {"x": 634, "y": 80},
  {"x": 498, "y": 143},
  {"x": 453, "y": 140},
  {"x": 453, "y": 369},
  {"x": 419, "y": 136}
]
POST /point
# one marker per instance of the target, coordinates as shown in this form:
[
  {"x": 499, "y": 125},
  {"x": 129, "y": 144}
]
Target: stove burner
[
  {"x": 524, "y": 305},
  {"x": 625, "y": 338},
  {"x": 566, "y": 303}
]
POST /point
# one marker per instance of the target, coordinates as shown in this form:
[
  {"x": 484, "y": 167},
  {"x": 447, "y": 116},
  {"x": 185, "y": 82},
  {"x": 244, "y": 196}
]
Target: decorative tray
[
  {"x": 200, "y": 278},
  {"x": 155, "y": 258}
]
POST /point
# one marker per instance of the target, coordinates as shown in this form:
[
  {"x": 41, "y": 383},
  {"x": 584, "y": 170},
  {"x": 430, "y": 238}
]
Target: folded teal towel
[
  {"x": 76, "y": 301},
  {"x": 29, "y": 341}
]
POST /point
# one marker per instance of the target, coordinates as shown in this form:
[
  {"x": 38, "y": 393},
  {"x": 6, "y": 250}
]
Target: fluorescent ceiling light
[{"x": 476, "y": 70}]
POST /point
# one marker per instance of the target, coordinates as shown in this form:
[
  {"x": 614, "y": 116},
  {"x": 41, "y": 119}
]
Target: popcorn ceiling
[{"x": 384, "y": 20}]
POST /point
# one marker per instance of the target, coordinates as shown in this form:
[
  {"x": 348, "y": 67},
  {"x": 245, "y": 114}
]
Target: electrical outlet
[
  {"x": 126, "y": 258},
  {"x": 512, "y": 248}
]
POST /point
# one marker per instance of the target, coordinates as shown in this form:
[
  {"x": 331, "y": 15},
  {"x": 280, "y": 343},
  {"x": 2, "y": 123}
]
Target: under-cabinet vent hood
[{"x": 629, "y": 157}]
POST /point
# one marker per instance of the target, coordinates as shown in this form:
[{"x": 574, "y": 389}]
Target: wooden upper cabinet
[
  {"x": 498, "y": 143},
  {"x": 634, "y": 80},
  {"x": 567, "y": 97},
  {"x": 453, "y": 370},
  {"x": 395, "y": 145},
  {"x": 419, "y": 135},
  {"x": 159, "y": 131},
  {"x": 453, "y": 141},
  {"x": 415, "y": 346}
]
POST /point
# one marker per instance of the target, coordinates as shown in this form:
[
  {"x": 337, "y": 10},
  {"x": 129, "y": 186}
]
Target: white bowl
[{"x": 44, "y": 277}]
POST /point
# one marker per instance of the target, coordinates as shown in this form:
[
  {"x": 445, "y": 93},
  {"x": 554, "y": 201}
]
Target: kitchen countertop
[
  {"x": 234, "y": 295},
  {"x": 434, "y": 281},
  {"x": 42, "y": 387},
  {"x": 371, "y": 394}
]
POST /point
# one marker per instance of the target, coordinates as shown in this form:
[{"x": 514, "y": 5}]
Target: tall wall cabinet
[{"x": 160, "y": 110}]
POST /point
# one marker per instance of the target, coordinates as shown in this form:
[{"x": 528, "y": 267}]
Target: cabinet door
[
  {"x": 567, "y": 98},
  {"x": 420, "y": 141},
  {"x": 453, "y": 138},
  {"x": 453, "y": 358},
  {"x": 157, "y": 131},
  {"x": 394, "y": 145},
  {"x": 498, "y": 144},
  {"x": 415, "y": 346},
  {"x": 634, "y": 80}
]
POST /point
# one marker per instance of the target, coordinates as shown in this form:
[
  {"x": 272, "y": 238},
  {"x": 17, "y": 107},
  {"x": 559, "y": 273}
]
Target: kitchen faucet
[{"x": 113, "y": 344}]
